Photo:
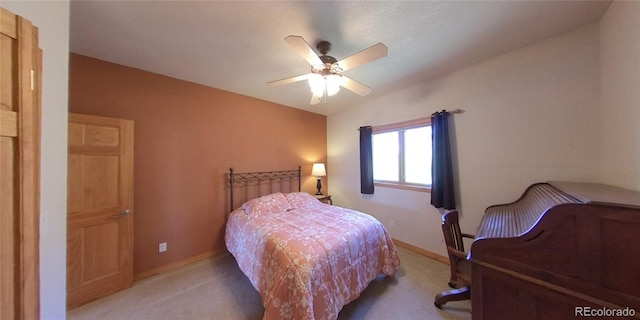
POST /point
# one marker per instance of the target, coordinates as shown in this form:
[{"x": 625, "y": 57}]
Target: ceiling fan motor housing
[
  {"x": 324, "y": 47},
  {"x": 328, "y": 60}
]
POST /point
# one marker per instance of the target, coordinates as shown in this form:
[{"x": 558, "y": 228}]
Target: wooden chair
[{"x": 460, "y": 279}]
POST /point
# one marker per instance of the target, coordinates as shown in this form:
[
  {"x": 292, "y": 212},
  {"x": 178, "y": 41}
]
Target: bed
[{"x": 307, "y": 259}]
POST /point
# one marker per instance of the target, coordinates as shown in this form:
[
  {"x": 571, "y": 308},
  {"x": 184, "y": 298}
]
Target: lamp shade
[{"x": 318, "y": 170}]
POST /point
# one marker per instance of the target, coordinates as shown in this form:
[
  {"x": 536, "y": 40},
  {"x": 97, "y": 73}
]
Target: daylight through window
[{"x": 402, "y": 154}]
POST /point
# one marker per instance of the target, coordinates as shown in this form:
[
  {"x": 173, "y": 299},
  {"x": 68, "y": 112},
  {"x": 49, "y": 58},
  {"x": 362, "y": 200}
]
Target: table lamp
[{"x": 318, "y": 171}]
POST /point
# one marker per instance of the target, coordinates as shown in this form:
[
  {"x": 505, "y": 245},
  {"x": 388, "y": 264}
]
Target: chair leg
[
  {"x": 456, "y": 283},
  {"x": 463, "y": 293}
]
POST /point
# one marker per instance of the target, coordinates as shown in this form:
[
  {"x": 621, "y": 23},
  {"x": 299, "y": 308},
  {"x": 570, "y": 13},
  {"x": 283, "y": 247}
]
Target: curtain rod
[{"x": 452, "y": 111}]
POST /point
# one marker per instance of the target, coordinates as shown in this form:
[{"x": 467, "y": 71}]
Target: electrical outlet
[{"x": 162, "y": 247}]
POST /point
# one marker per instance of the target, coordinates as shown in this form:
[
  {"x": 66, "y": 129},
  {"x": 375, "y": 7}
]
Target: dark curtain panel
[
  {"x": 442, "y": 191},
  {"x": 366, "y": 161}
]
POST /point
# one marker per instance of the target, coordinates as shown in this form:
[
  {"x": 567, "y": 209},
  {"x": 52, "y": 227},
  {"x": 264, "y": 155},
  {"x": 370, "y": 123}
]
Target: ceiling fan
[{"x": 326, "y": 76}]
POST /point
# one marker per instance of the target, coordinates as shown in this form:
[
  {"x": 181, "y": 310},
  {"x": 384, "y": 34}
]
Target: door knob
[{"x": 124, "y": 213}]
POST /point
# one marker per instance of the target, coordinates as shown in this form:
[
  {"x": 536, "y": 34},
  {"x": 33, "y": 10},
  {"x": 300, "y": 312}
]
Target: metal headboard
[{"x": 262, "y": 183}]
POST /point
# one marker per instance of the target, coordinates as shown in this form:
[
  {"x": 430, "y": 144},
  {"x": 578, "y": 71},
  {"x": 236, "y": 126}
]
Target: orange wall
[{"x": 186, "y": 138}]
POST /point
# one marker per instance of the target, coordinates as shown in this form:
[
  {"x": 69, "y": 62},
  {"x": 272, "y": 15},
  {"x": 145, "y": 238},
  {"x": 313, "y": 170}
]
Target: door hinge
[{"x": 33, "y": 83}]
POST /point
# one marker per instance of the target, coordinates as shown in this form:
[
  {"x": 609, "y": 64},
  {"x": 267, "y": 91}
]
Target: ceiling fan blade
[
  {"x": 302, "y": 48},
  {"x": 372, "y": 53},
  {"x": 355, "y": 86},
  {"x": 315, "y": 99},
  {"x": 288, "y": 80}
]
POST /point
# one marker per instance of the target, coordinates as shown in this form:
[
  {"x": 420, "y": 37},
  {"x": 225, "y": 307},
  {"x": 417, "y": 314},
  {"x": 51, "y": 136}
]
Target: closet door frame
[{"x": 23, "y": 114}]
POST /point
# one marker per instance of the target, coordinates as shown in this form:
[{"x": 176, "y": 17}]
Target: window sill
[{"x": 402, "y": 186}]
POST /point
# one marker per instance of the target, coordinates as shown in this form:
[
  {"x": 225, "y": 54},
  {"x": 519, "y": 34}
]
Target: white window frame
[{"x": 395, "y": 127}]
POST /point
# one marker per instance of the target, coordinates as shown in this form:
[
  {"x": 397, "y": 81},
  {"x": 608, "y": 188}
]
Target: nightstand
[{"x": 324, "y": 199}]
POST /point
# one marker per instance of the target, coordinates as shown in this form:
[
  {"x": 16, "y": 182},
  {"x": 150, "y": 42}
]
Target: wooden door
[
  {"x": 100, "y": 208},
  {"x": 20, "y": 69}
]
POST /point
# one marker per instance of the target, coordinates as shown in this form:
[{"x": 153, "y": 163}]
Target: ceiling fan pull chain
[{"x": 325, "y": 92}]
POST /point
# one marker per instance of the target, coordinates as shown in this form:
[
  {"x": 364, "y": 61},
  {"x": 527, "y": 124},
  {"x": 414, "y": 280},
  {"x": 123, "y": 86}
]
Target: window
[{"x": 402, "y": 154}]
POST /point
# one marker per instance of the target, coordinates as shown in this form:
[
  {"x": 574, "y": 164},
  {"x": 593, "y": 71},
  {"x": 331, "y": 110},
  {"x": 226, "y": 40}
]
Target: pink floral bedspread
[{"x": 307, "y": 263}]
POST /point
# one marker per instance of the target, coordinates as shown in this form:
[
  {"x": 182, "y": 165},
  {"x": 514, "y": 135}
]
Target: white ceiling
[{"x": 239, "y": 46}]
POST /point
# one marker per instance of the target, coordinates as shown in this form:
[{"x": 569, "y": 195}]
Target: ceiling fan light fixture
[
  {"x": 317, "y": 84},
  {"x": 334, "y": 81}
]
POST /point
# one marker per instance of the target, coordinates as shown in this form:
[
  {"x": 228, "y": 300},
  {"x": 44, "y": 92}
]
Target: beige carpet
[{"x": 216, "y": 289}]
